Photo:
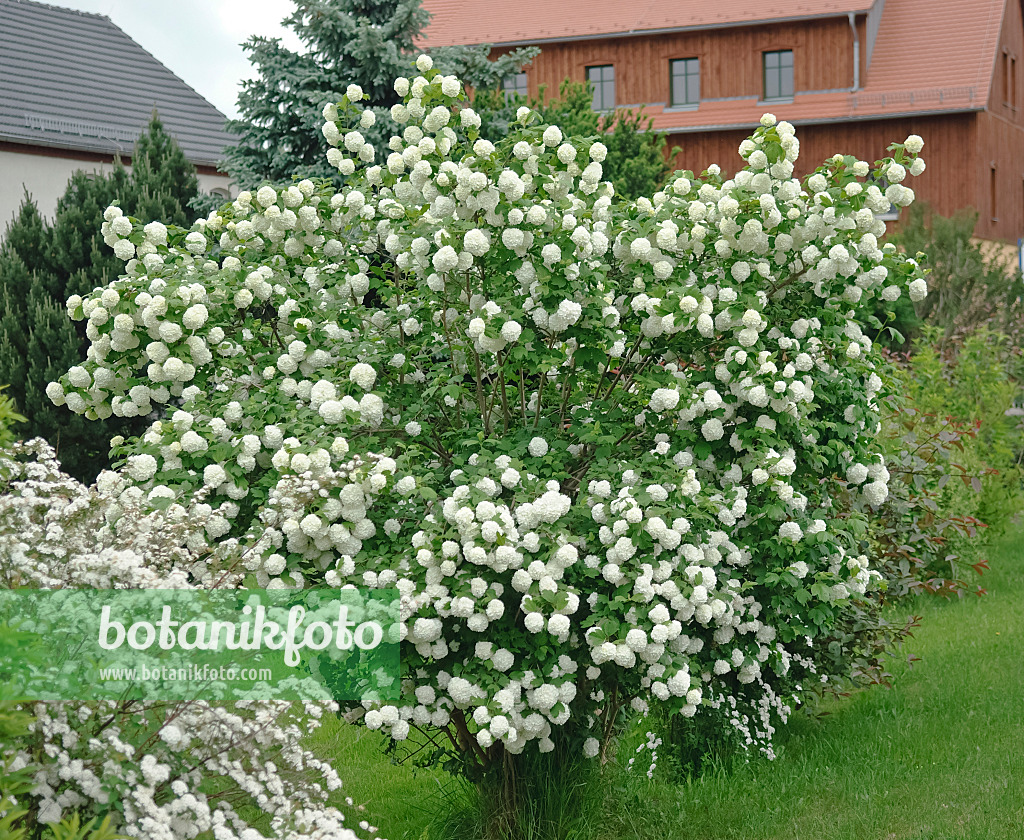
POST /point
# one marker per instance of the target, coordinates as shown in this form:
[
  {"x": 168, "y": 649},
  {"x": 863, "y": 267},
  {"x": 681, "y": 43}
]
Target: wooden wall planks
[{"x": 730, "y": 60}]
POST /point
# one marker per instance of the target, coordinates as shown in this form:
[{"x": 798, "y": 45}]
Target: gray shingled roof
[{"x": 74, "y": 80}]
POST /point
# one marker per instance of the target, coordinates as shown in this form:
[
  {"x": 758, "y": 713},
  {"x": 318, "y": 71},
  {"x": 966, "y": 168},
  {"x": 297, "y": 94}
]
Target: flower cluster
[
  {"x": 598, "y": 443},
  {"x": 150, "y": 759}
]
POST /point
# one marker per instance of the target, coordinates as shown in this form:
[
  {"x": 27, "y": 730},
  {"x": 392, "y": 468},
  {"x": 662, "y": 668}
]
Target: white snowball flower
[
  {"x": 566, "y": 153},
  {"x": 799, "y": 569},
  {"x": 191, "y": 442},
  {"x": 363, "y": 375},
  {"x": 476, "y": 242},
  {"x": 195, "y": 243},
  {"x": 538, "y": 447},
  {"x": 510, "y": 331},
  {"x": 141, "y": 467},
  {"x": 876, "y": 493},
  {"x": 446, "y": 259},
  {"x": 664, "y": 399},
  {"x": 122, "y": 226},
  {"x": 895, "y": 173},
  {"x": 332, "y": 411},
  {"x": 79, "y": 377},
  {"x": 195, "y": 316},
  {"x": 712, "y": 429},
  {"x": 214, "y": 475},
  {"x": 790, "y": 531},
  {"x": 552, "y": 135},
  {"x": 558, "y": 625},
  {"x": 156, "y": 232},
  {"x": 266, "y": 196},
  {"x": 640, "y": 248},
  {"x": 857, "y": 473}
]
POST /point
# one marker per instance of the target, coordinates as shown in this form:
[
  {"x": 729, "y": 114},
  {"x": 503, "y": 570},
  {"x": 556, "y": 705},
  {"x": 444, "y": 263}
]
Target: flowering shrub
[
  {"x": 156, "y": 769},
  {"x": 972, "y": 287},
  {"x": 952, "y": 443},
  {"x": 924, "y": 524},
  {"x": 16, "y": 782},
  {"x": 598, "y": 444}
]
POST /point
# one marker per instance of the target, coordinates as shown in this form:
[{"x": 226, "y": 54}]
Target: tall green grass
[{"x": 938, "y": 756}]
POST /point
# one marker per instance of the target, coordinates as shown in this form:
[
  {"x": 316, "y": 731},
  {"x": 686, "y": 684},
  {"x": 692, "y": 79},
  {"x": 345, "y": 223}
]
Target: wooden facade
[
  {"x": 729, "y": 60},
  {"x": 974, "y": 154},
  {"x": 949, "y": 143}
]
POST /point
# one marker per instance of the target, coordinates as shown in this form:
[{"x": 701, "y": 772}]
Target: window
[
  {"x": 685, "y": 81},
  {"x": 893, "y": 213},
  {"x": 778, "y": 74},
  {"x": 1013, "y": 82},
  {"x": 514, "y": 85},
  {"x": 602, "y": 81},
  {"x": 1006, "y": 77},
  {"x": 992, "y": 193}
]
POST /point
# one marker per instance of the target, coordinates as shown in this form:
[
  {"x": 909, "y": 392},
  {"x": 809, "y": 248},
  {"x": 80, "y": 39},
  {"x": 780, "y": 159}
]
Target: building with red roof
[{"x": 851, "y": 75}]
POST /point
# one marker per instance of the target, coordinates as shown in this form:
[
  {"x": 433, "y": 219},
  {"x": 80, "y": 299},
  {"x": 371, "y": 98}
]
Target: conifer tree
[
  {"x": 164, "y": 181},
  {"x": 365, "y": 42},
  {"x": 43, "y": 264},
  {"x": 77, "y": 255}
]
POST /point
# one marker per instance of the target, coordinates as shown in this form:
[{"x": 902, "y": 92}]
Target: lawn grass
[
  {"x": 399, "y": 800},
  {"x": 939, "y": 756}
]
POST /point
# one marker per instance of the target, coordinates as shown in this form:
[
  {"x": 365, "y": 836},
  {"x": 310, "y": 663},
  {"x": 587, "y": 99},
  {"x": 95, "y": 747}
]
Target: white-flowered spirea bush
[
  {"x": 149, "y": 761},
  {"x": 57, "y": 533},
  {"x": 600, "y": 441}
]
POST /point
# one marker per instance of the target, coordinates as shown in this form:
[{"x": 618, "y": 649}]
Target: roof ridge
[{"x": 58, "y": 8}]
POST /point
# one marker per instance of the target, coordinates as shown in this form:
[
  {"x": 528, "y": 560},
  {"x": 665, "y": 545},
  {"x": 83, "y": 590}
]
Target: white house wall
[{"x": 46, "y": 178}]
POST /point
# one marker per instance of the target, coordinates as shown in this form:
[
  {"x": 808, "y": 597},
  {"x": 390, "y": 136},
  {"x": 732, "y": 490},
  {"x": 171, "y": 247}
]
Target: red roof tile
[{"x": 535, "y": 21}]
